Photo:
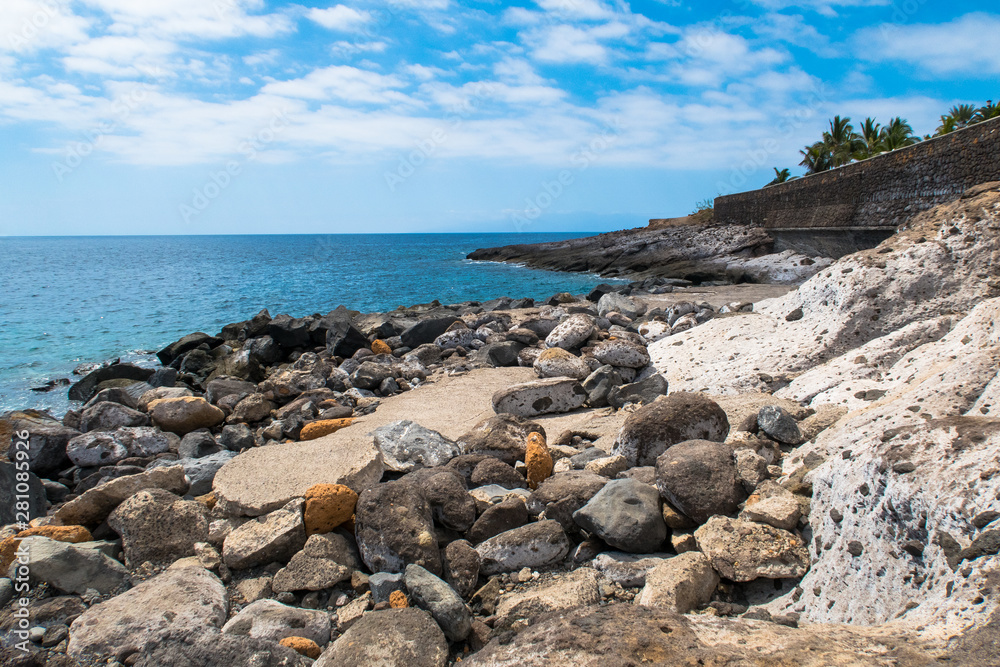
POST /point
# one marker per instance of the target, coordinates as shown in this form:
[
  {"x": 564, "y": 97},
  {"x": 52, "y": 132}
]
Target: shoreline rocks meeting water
[{"x": 632, "y": 476}]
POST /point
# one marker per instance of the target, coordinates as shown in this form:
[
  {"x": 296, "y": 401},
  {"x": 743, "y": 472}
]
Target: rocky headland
[
  {"x": 695, "y": 249},
  {"x": 641, "y": 475}
]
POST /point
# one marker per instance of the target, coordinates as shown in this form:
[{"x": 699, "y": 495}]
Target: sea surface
[{"x": 69, "y": 300}]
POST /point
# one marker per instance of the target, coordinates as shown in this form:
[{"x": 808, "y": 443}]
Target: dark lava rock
[
  {"x": 425, "y": 331},
  {"x": 87, "y": 387},
  {"x": 394, "y": 527},
  {"x": 505, "y": 515},
  {"x": 502, "y": 436},
  {"x": 698, "y": 477},
  {"x": 777, "y": 423},
  {"x": 495, "y": 471},
  {"x": 9, "y": 496},
  {"x": 625, "y": 514},
  {"x": 651, "y": 429},
  {"x": 404, "y": 637}
]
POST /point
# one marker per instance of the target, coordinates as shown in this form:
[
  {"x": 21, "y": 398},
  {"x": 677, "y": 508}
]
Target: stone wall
[{"x": 874, "y": 195}]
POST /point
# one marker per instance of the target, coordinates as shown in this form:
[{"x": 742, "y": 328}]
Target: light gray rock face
[
  {"x": 145, "y": 440},
  {"x": 535, "y": 545},
  {"x": 72, "y": 568},
  {"x": 96, "y": 448},
  {"x": 781, "y": 511},
  {"x": 627, "y": 570},
  {"x": 653, "y": 428},
  {"x": 184, "y": 596},
  {"x": 394, "y": 527},
  {"x": 456, "y": 338},
  {"x": 394, "y": 638},
  {"x": 157, "y": 526},
  {"x": 541, "y": 397},
  {"x": 743, "y": 551},
  {"x": 621, "y": 352},
  {"x": 93, "y": 506},
  {"x": 444, "y": 604},
  {"x": 406, "y": 446},
  {"x": 108, "y": 416},
  {"x": 325, "y": 561},
  {"x": 571, "y": 333},
  {"x": 248, "y": 484},
  {"x": 682, "y": 583},
  {"x": 626, "y": 514},
  {"x": 574, "y": 589},
  {"x": 619, "y": 303},
  {"x": 269, "y": 619},
  {"x": 698, "y": 477},
  {"x": 777, "y": 423},
  {"x": 274, "y": 537},
  {"x": 556, "y": 362}
]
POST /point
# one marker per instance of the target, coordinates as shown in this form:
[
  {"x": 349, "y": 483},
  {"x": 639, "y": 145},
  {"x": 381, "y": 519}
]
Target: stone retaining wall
[{"x": 880, "y": 193}]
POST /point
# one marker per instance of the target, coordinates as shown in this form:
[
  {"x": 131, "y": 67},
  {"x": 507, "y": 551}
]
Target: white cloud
[
  {"x": 570, "y": 44},
  {"x": 341, "y": 82},
  {"x": 824, "y": 7},
  {"x": 118, "y": 56},
  {"x": 30, "y": 25},
  {"x": 339, "y": 17},
  {"x": 967, "y": 45},
  {"x": 268, "y": 57},
  {"x": 578, "y": 9},
  {"x": 192, "y": 18}
]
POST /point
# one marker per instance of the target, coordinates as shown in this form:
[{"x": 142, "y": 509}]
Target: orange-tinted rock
[
  {"x": 72, "y": 534},
  {"x": 328, "y": 506},
  {"x": 302, "y": 646},
  {"x": 381, "y": 347},
  {"x": 538, "y": 459},
  {"x": 397, "y": 600},
  {"x": 208, "y": 500},
  {"x": 323, "y": 427}
]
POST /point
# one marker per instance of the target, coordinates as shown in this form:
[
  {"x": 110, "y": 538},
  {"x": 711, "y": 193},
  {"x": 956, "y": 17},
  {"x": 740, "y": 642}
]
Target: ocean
[{"x": 68, "y": 300}]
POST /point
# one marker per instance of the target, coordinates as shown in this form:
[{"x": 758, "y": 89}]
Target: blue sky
[{"x": 254, "y": 116}]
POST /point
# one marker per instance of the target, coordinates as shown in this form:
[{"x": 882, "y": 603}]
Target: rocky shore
[
  {"x": 639, "y": 475},
  {"x": 694, "y": 249}
]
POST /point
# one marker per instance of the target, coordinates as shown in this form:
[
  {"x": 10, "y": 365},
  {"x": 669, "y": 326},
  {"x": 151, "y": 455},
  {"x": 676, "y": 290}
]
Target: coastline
[{"x": 473, "y": 477}]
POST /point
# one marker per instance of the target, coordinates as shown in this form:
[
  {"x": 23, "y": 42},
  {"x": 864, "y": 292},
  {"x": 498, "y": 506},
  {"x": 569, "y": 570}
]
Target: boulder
[
  {"x": 287, "y": 384},
  {"x": 200, "y": 472},
  {"x": 651, "y": 429},
  {"x": 627, "y": 570},
  {"x": 503, "y": 436},
  {"x": 621, "y": 353},
  {"x": 318, "y": 429},
  {"x": 682, "y": 583},
  {"x": 247, "y": 484},
  {"x": 531, "y": 399},
  {"x": 251, "y": 409},
  {"x": 777, "y": 423},
  {"x": 161, "y": 392},
  {"x": 47, "y": 440},
  {"x": 276, "y": 536},
  {"x": 406, "y": 446},
  {"x": 642, "y": 392},
  {"x": 157, "y": 526},
  {"x": 33, "y": 497},
  {"x": 698, "y": 477},
  {"x": 71, "y": 567},
  {"x": 780, "y": 510},
  {"x": 271, "y": 620},
  {"x": 393, "y": 637},
  {"x": 325, "y": 561},
  {"x": 571, "y": 333},
  {"x": 342, "y": 337},
  {"x": 505, "y": 515},
  {"x": 210, "y": 648},
  {"x": 198, "y": 443},
  {"x": 185, "y": 414},
  {"x": 186, "y": 344},
  {"x": 109, "y": 416},
  {"x": 328, "y": 506},
  {"x": 566, "y": 591},
  {"x": 444, "y": 489},
  {"x": 600, "y": 384},
  {"x": 625, "y": 514},
  {"x": 743, "y": 551},
  {"x": 557, "y": 362},
  {"x": 220, "y": 387},
  {"x": 425, "y": 331},
  {"x": 460, "y": 563},
  {"x": 88, "y": 386},
  {"x": 237, "y": 437},
  {"x": 290, "y": 332},
  {"x": 184, "y": 596},
  {"x": 537, "y": 460},
  {"x": 145, "y": 441},
  {"x": 445, "y": 605},
  {"x": 453, "y": 338},
  {"x": 94, "y": 449},
  {"x": 370, "y": 375},
  {"x": 564, "y": 493},
  {"x": 494, "y": 471},
  {"x": 619, "y": 303},
  {"x": 534, "y": 545},
  {"x": 394, "y": 527},
  {"x": 93, "y": 506}
]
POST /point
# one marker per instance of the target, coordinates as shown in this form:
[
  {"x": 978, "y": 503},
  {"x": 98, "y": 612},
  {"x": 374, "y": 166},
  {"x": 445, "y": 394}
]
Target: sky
[{"x": 259, "y": 116}]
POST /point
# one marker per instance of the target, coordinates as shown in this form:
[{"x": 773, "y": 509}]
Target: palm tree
[
  {"x": 842, "y": 140},
  {"x": 872, "y": 137},
  {"x": 817, "y": 158},
  {"x": 897, "y": 134},
  {"x": 959, "y": 116},
  {"x": 987, "y": 111},
  {"x": 781, "y": 176}
]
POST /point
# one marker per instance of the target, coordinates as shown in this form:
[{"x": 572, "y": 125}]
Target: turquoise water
[{"x": 68, "y": 300}]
